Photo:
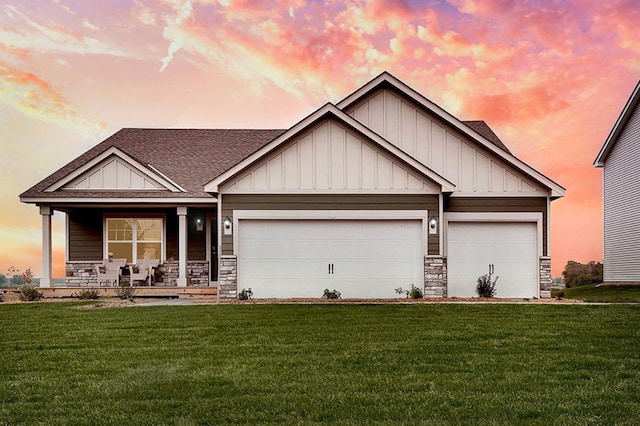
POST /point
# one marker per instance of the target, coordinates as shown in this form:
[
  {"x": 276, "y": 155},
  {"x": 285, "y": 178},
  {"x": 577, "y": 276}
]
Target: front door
[{"x": 212, "y": 248}]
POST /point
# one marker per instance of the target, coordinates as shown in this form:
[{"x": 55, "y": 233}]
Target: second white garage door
[
  {"x": 510, "y": 247},
  {"x": 300, "y": 258}
]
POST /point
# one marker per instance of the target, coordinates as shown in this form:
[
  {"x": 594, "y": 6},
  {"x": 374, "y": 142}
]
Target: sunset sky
[{"x": 550, "y": 78}]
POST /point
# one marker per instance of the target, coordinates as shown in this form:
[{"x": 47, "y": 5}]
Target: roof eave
[
  {"x": 117, "y": 201},
  {"x": 622, "y": 120}
]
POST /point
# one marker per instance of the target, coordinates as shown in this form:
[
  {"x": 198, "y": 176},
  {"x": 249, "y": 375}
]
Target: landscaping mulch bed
[{"x": 112, "y": 302}]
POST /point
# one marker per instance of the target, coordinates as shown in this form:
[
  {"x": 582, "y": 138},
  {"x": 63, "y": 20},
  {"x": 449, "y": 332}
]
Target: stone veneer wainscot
[{"x": 435, "y": 276}]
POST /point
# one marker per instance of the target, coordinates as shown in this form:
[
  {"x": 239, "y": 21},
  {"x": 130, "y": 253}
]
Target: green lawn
[
  {"x": 603, "y": 294},
  {"x": 309, "y": 364}
]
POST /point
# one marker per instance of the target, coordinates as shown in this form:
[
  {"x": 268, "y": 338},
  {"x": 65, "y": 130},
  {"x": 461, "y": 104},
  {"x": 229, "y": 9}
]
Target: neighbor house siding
[
  {"x": 501, "y": 205},
  {"x": 622, "y": 205},
  {"x": 233, "y": 202}
]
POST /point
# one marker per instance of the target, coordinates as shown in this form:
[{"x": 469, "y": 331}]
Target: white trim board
[{"x": 123, "y": 200}]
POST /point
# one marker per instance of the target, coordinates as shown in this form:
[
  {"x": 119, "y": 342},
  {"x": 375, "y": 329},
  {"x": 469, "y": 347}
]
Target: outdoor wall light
[
  {"x": 199, "y": 225},
  {"x": 433, "y": 225},
  {"x": 227, "y": 225}
]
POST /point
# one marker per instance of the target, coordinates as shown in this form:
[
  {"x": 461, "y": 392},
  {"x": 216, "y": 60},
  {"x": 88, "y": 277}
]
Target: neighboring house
[
  {"x": 383, "y": 190},
  {"x": 620, "y": 160}
]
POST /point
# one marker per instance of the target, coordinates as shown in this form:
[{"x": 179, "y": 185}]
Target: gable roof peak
[
  {"x": 478, "y": 132},
  {"x": 623, "y": 118},
  {"x": 331, "y": 111}
]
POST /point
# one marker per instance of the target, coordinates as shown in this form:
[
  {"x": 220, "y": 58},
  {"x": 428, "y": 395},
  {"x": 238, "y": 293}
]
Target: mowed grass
[
  {"x": 603, "y": 294},
  {"x": 315, "y": 364}
]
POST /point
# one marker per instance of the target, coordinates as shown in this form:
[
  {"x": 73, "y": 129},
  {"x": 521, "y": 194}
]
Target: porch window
[{"x": 137, "y": 238}]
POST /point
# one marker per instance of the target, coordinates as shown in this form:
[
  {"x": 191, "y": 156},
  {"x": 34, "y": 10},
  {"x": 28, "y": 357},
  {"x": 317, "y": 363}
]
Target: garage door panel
[
  {"x": 261, "y": 249},
  {"x": 510, "y": 247},
  {"x": 290, "y": 258},
  {"x": 273, "y": 269}
]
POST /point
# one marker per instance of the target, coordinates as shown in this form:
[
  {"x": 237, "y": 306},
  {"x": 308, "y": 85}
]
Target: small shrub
[
  {"x": 413, "y": 293},
  {"x": 29, "y": 293},
  {"x": 331, "y": 294},
  {"x": 88, "y": 294},
  {"x": 485, "y": 287},
  {"x": 125, "y": 292},
  {"x": 560, "y": 295},
  {"x": 245, "y": 294}
]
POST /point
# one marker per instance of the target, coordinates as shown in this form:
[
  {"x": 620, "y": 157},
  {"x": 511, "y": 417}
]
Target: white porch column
[
  {"x": 182, "y": 246},
  {"x": 46, "y": 212}
]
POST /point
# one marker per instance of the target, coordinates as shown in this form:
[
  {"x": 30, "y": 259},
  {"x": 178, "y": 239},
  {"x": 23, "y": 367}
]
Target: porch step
[{"x": 62, "y": 292}]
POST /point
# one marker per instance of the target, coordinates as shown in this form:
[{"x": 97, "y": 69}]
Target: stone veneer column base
[
  {"x": 228, "y": 277},
  {"x": 545, "y": 277},
  {"x": 435, "y": 276},
  {"x": 81, "y": 274},
  {"x": 198, "y": 273}
]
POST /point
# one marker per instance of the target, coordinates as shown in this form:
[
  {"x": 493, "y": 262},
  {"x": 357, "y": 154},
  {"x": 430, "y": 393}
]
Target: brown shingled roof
[
  {"x": 485, "y": 131},
  {"x": 189, "y": 157}
]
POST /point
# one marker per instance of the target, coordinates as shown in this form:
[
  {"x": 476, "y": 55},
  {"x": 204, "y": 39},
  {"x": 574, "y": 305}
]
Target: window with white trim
[{"x": 135, "y": 238}]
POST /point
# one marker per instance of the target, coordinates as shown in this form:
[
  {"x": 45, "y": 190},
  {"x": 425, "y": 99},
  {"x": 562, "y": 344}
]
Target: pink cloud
[
  {"x": 27, "y": 33},
  {"x": 34, "y": 97}
]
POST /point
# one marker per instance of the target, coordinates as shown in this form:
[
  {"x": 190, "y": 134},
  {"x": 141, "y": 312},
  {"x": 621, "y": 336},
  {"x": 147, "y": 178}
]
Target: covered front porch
[{"x": 179, "y": 245}]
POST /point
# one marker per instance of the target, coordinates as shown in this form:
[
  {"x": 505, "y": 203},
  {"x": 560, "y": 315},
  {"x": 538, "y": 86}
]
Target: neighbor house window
[{"x": 136, "y": 238}]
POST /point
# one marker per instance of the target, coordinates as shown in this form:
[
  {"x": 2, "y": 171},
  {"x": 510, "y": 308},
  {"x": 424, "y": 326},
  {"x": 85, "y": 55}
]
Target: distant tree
[
  {"x": 27, "y": 276},
  {"x": 3, "y": 279},
  {"x": 14, "y": 273},
  {"x": 576, "y": 273}
]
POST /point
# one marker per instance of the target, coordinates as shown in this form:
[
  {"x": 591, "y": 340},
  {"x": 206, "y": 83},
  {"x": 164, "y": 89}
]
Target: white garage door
[
  {"x": 510, "y": 247},
  {"x": 300, "y": 258}
]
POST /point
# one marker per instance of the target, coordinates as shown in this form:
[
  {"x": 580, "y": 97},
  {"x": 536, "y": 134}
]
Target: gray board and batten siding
[
  {"x": 85, "y": 228},
  {"x": 622, "y": 205},
  {"x": 85, "y": 232},
  {"x": 231, "y": 202}
]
